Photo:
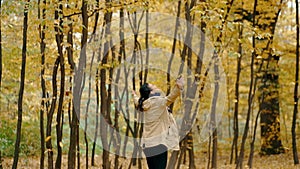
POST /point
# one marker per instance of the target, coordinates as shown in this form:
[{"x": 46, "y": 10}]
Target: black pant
[{"x": 157, "y": 157}]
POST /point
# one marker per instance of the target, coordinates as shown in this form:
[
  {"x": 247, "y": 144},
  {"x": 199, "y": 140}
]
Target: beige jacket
[{"x": 159, "y": 124}]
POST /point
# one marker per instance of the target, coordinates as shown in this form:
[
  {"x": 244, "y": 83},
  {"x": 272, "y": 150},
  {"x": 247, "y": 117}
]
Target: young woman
[{"x": 160, "y": 131}]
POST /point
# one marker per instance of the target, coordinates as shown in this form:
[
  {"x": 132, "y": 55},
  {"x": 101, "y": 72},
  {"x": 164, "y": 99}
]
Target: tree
[
  {"x": 294, "y": 141},
  {"x": 0, "y": 44},
  {"x": 42, "y": 17},
  {"x": 73, "y": 120},
  {"x": 83, "y": 52},
  {"x": 103, "y": 92},
  {"x": 22, "y": 84},
  {"x": 269, "y": 78}
]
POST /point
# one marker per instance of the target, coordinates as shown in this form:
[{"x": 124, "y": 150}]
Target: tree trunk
[
  {"x": 173, "y": 48},
  {"x": 234, "y": 148},
  {"x": 59, "y": 40},
  {"x": 213, "y": 112},
  {"x": 97, "y": 89},
  {"x": 50, "y": 115},
  {"x": 21, "y": 91},
  {"x": 104, "y": 94},
  {"x": 1, "y": 167},
  {"x": 121, "y": 53},
  {"x": 294, "y": 140},
  {"x": 137, "y": 127},
  {"x": 0, "y": 45},
  {"x": 269, "y": 84},
  {"x": 83, "y": 46},
  {"x": 73, "y": 140},
  {"x": 43, "y": 83},
  {"x": 239, "y": 163},
  {"x": 72, "y": 114}
]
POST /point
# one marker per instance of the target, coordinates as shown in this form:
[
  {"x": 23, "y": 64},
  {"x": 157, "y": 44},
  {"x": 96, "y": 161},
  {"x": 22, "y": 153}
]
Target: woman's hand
[{"x": 180, "y": 82}]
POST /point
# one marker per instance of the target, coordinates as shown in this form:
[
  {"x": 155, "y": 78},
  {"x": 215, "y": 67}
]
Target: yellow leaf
[
  {"x": 61, "y": 144},
  {"x": 48, "y": 138}
]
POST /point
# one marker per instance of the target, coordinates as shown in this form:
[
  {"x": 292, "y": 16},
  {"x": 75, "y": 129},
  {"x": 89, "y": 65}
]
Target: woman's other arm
[{"x": 176, "y": 91}]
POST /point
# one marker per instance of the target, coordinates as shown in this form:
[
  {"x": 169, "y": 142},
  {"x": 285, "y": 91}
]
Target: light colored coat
[{"x": 159, "y": 124}]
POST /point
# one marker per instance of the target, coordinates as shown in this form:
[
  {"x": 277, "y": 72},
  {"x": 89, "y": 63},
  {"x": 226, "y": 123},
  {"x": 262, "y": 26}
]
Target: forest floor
[{"x": 281, "y": 161}]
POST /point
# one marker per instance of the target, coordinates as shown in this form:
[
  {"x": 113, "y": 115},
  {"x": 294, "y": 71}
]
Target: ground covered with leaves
[{"x": 281, "y": 161}]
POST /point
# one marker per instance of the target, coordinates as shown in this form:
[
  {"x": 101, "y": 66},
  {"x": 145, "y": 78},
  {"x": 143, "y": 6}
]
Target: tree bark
[
  {"x": 103, "y": 92},
  {"x": 239, "y": 163},
  {"x": 0, "y": 45},
  {"x": 59, "y": 40},
  {"x": 173, "y": 48},
  {"x": 269, "y": 84},
  {"x": 22, "y": 84},
  {"x": 234, "y": 148},
  {"x": 73, "y": 121},
  {"x": 50, "y": 115},
  {"x": 43, "y": 108},
  {"x": 97, "y": 88},
  {"x": 213, "y": 112},
  {"x": 83, "y": 52},
  {"x": 121, "y": 54},
  {"x": 294, "y": 140},
  {"x": 1, "y": 167}
]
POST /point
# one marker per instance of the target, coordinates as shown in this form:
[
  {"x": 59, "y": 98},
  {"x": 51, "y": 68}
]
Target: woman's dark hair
[{"x": 144, "y": 93}]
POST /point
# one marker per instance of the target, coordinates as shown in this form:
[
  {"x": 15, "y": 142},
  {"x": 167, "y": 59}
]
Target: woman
[{"x": 160, "y": 130}]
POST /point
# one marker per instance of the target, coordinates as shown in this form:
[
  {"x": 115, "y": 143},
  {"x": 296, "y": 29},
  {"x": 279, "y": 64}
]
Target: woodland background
[{"x": 256, "y": 42}]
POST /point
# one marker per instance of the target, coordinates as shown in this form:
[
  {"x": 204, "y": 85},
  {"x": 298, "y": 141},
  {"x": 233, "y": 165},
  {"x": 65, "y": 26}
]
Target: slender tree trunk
[
  {"x": 294, "y": 140},
  {"x": 43, "y": 83},
  {"x": 83, "y": 47},
  {"x": 186, "y": 57},
  {"x": 97, "y": 88},
  {"x": 50, "y": 115},
  {"x": 117, "y": 103},
  {"x": 59, "y": 40},
  {"x": 250, "y": 160},
  {"x": 213, "y": 113},
  {"x": 71, "y": 111},
  {"x": 73, "y": 138},
  {"x": 234, "y": 148},
  {"x": 104, "y": 94},
  {"x": 239, "y": 163},
  {"x": 137, "y": 127},
  {"x": 1, "y": 167},
  {"x": 172, "y": 54},
  {"x": 0, "y": 44},
  {"x": 21, "y": 91},
  {"x": 147, "y": 41},
  {"x": 208, "y": 152}
]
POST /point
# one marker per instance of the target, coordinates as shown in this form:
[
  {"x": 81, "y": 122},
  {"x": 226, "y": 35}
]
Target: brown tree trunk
[
  {"x": 73, "y": 140},
  {"x": 269, "y": 84},
  {"x": 73, "y": 121},
  {"x": 97, "y": 89},
  {"x": 43, "y": 109},
  {"x": 59, "y": 40},
  {"x": 21, "y": 91},
  {"x": 50, "y": 115},
  {"x": 0, "y": 45},
  {"x": 117, "y": 103},
  {"x": 103, "y": 92},
  {"x": 239, "y": 163},
  {"x": 213, "y": 113},
  {"x": 294, "y": 140},
  {"x": 1, "y": 167},
  {"x": 173, "y": 48},
  {"x": 83, "y": 47},
  {"x": 234, "y": 148}
]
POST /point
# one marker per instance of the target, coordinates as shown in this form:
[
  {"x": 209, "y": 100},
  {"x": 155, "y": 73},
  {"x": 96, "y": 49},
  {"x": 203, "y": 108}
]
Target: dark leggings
[{"x": 157, "y": 157}]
